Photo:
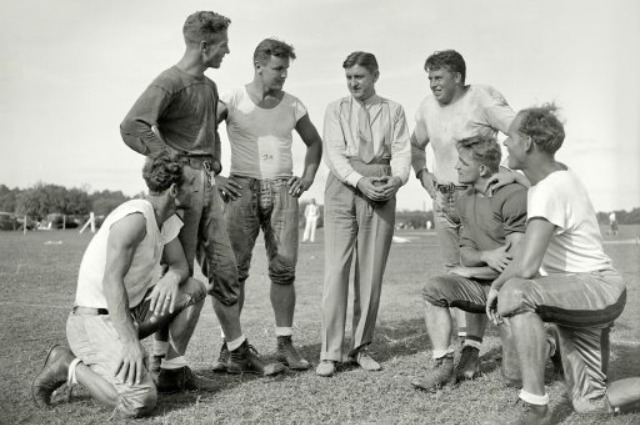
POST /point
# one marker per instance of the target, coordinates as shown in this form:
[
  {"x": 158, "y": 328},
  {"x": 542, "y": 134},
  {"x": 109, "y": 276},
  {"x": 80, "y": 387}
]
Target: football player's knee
[
  {"x": 138, "y": 401},
  {"x": 282, "y": 271},
  {"x": 512, "y": 297},
  {"x": 196, "y": 290},
  {"x": 434, "y": 291}
]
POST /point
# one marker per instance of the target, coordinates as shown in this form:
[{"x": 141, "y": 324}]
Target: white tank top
[{"x": 145, "y": 263}]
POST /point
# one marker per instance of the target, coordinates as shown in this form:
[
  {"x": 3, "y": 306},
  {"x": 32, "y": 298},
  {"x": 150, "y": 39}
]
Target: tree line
[{"x": 43, "y": 199}]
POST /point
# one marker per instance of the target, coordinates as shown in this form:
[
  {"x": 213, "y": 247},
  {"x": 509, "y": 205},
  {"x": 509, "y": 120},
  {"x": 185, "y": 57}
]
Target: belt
[
  {"x": 379, "y": 161},
  {"x": 449, "y": 188},
  {"x": 200, "y": 162},
  {"x": 90, "y": 311}
]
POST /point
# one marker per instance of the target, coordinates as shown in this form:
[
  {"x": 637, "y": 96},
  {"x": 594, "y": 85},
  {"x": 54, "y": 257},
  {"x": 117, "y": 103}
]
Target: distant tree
[
  {"x": 102, "y": 203},
  {"x": 76, "y": 202},
  {"x": 8, "y": 198},
  {"x": 622, "y": 216},
  {"x": 30, "y": 202}
]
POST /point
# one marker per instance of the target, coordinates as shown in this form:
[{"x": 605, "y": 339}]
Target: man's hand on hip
[
  {"x": 299, "y": 185},
  {"x": 228, "y": 187}
]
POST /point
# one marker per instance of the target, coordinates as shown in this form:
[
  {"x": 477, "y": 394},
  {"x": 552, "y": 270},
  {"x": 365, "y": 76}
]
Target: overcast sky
[{"x": 71, "y": 69}]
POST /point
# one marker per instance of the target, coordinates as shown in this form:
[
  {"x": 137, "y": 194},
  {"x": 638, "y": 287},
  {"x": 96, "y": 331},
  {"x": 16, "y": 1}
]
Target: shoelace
[
  {"x": 224, "y": 352},
  {"x": 253, "y": 349}
]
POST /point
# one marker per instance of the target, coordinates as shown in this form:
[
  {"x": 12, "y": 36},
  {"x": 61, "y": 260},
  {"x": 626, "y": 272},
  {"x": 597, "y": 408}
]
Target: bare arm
[
  {"x": 124, "y": 238},
  {"x": 527, "y": 259},
  {"x": 165, "y": 292},
  {"x": 419, "y": 161},
  {"x": 309, "y": 135},
  {"x": 400, "y": 156}
]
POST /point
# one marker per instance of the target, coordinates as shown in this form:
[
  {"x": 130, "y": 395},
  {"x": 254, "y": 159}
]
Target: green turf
[{"x": 37, "y": 285}]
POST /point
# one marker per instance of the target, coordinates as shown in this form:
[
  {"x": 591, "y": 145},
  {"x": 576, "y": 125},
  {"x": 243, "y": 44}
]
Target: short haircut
[
  {"x": 364, "y": 59},
  {"x": 161, "y": 170},
  {"x": 542, "y": 124},
  {"x": 484, "y": 150},
  {"x": 450, "y": 60},
  {"x": 272, "y": 47},
  {"x": 204, "y": 26}
]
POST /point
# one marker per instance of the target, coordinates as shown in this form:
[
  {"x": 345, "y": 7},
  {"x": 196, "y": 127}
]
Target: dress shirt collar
[{"x": 372, "y": 100}]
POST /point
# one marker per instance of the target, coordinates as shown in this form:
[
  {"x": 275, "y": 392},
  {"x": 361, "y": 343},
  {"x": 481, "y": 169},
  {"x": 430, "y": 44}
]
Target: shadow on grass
[{"x": 624, "y": 363}]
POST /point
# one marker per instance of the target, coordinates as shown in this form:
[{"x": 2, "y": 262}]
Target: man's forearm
[
  {"x": 482, "y": 273},
  {"x": 119, "y": 311},
  {"x": 471, "y": 257},
  {"x": 141, "y": 138},
  {"x": 176, "y": 274},
  {"x": 312, "y": 161},
  {"x": 418, "y": 158},
  {"x": 510, "y": 272}
]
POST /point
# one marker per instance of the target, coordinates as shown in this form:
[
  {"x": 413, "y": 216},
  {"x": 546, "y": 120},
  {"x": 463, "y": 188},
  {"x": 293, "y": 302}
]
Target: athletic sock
[
  {"x": 160, "y": 348},
  {"x": 473, "y": 341},
  {"x": 236, "y": 343},
  {"x": 282, "y": 331},
  {"x": 71, "y": 374},
  {"x": 438, "y": 354},
  {"x": 538, "y": 400},
  {"x": 174, "y": 363}
]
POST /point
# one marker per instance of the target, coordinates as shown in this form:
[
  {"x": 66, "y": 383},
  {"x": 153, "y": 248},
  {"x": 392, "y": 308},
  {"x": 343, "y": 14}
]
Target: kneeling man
[
  {"x": 118, "y": 302},
  {"x": 492, "y": 228},
  {"x": 579, "y": 290}
]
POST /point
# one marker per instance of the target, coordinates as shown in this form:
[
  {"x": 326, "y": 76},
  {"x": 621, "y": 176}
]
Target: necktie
[{"x": 365, "y": 148}]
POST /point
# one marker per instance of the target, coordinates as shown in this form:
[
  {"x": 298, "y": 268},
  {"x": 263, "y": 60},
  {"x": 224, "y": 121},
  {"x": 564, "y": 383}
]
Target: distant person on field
[
  {"x": 119, "y": 302},
  {"x": 455, "y": 111},
  {"x": 613, "y": 223},
  {"x": 368, "y": 153},
  {"x": 311, "y": 216},
  {"x": 262, "y": 192},
  {"x": 178, "y": 113},
  {"x": 579, "y": 291}
]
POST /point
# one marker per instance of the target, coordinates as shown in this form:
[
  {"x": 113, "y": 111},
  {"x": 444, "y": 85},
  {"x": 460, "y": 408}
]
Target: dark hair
[
  {"x": 450, "y": 60},
  {"x": 542, "y": 124},
  {"x": 204, "y": 26},
  {"x": 272, "y": 47},
  {"x": 484, "y": 150},
  {"x": 161, "y": 170},
  {"x": 364, "y": 59}
]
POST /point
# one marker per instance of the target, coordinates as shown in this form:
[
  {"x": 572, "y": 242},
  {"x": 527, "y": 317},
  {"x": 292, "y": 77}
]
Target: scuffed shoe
[
  {"x": 52, "y": 376},
  {"x": 221, "y": 364},
  {"x": 326, "y": 368},
  {"x": 534, "y": 415},
  {"x": 366, "y": 362},
  {"x": 469, "y": 365},
  {"x": 183, "y": 379},
  {"x": 288, "y": 355},
  {"x": 623, "y": 395},
  {"x": 439, "y": 377},
  {"x": 246, "y": 359}
]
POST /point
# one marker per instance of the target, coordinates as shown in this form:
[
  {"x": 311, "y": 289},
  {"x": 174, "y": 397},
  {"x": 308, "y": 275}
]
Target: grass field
[{"x": 37, "y": 286}]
